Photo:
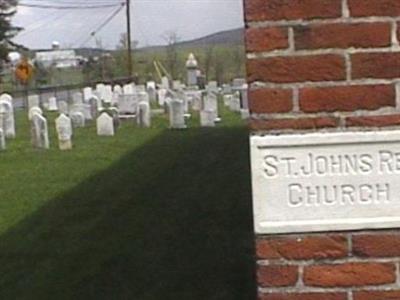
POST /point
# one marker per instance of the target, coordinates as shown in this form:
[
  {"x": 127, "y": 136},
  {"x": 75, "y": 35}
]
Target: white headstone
[
  {"x": 100, "y": 90},
  {"x": 63, "y": 107},
  {"x": 52, "y": 104},
  {"x": 144, "y": 114},
  {"x": 64, "y": 132},
  {"x": 227, "y": 100},
  {"x": 6, "y": 97},
  {"x": 77, "y": 99},
  {"x": 87, "y": 93},
  {"x": 117, "y": 89},
  {"x": 234, "y": 105},
  {"x": 127, "y": 104},
  {"x": 151, "y": 85},
  {"x": 165, "y": 83},
  {"x": 128, "y": 89},
  {"x": 197, "y": 101},
  {"x": 7, "y": 122},
  {"x": 94, "y": 103},
  {"x": 78, "y": 119},
  {"x": 34, "y": 110},
  {"x": 108, "y": 94},
  {"x": 39, "y": 132},
  {"x": 33, "y": 101},
  {"x": 105, "y": 125},
  {"x": 207, "y": 118},
  {"x": 2, "y": 140},
  {"x": 161, "y": 96},
  {"x": 143, "y": 96},
  {"x": 177, "y": 114}
]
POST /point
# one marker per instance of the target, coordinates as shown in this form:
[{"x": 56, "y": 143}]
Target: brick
[
  {"x": 382, "y": 245},
  {"x": 270, "y": 101},
  {"x": 367, "y": 8},
  {"x": 376, "y": 65},
  {"x": 362, "y": 35},
  {"x": 376, "y": 295},
  {"x": 277, "y": 275},
  {"x": 266, "y": 39},
  {"x": 349, "y": 274},
  {"x": 346, "y": 98},
  {"x": 296, "y": 124},
  {"x": 373, "y": 121},
  {"x": 328, "y": 67},
  {"x": 303, "y": 296},
  {"x": 299, "y": 248},
  {"x": 260, "y": 10}
]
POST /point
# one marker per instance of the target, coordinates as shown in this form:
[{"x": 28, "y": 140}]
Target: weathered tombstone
[
  {"x": 227, "y": 100},
  {"x": 197, "y": 101},
  {"x": 33, "y": 101},
  {"x": 63, "y": 107},
  {"x": 34, "y": 110},
  {"x": 176, "y": 85},
  {"x": 161, "y": 96},
  {"x": 100, "y": 90},
  {"x": 176, "y": 114},
  {"x": 127, "y": 104},
  {"x": 235, "y": 102},
  {"x": 64, "y": 132},
  {"x": 52, "y": 104},
  {"x": 39, "y": 132},
  {"x": 87, "y": 93},
  {"x": 140, "y": 88},
  {"x": 6, "y": 97},
  {"x": 143, "y": 96},
  {"x": 94, "y": 106},
  {"x": 128, "y": 89},
  {"x": 226, "y": 89},
  {"x": 108, "y": 94},
  {"x": 2, "y": 140},
  {"x": 144, "y": 114},
  {"x": 105, "y": 125},
  {"x": 212, "y": 87},
  {"x": 117, "y": 89},
  {"x": 7, "y": 122},
  {"x": 78, "y": 119},
  {"x": 165, "y": 83},
  {"x": 211, "y": 103},
  {"x": 77, "y": 99},
  {"x": 152, "y": 94},
  {"x": 151, "y": 85},
  {"x": 207, "y": 118}
]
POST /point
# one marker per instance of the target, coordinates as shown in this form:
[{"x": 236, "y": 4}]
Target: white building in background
[{"x": 56, "y": 57}]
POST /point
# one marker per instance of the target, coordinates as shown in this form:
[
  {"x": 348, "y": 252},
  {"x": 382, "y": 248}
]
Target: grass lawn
[{"x": 147, "y": 214}]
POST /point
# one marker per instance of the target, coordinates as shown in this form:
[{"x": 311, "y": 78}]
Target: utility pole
[{"x": 128, "y": 25}]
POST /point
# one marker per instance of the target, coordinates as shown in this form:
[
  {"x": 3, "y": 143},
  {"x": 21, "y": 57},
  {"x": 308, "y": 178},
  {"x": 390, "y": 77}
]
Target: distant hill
[{"x": 229, "y": 37}]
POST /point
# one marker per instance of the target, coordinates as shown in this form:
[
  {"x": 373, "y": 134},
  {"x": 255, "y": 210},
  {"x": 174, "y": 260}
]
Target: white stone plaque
[{"x": 326, "y": 181}]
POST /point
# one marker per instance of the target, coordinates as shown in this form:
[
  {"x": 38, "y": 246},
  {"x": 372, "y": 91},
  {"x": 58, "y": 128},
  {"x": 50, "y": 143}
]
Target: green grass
[{"x": 147, "y": 214}]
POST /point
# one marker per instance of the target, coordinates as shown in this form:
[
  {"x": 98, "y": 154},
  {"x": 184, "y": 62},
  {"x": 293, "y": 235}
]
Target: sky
[{"x": 151, "y": 20}]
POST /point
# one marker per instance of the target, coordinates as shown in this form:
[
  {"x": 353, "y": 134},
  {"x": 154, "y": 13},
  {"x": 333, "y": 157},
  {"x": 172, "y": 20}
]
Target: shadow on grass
[{"x": 171, "y": 220}]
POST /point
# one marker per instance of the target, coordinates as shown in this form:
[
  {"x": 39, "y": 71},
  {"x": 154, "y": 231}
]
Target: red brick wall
[{"x": 325, "y": 64}]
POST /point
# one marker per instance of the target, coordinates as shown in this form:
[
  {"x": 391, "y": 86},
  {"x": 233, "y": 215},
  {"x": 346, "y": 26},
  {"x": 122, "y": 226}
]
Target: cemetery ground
[{"x": 146, "y": 214}]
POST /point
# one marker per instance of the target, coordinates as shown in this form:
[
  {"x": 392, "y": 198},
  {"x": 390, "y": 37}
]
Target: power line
[{"x": 103, "y": 24}]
